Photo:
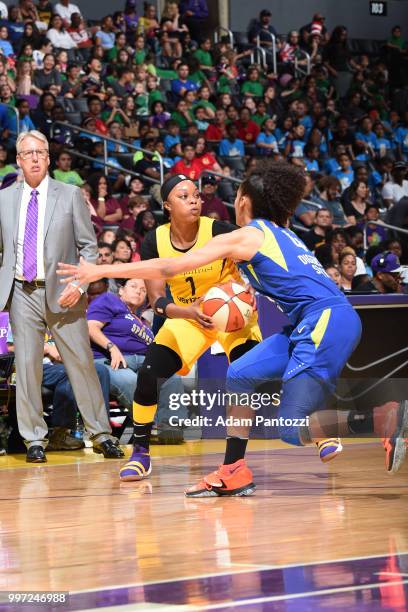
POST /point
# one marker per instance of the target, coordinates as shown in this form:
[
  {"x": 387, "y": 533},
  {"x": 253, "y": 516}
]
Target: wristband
[{"x": 161, "y": 304}]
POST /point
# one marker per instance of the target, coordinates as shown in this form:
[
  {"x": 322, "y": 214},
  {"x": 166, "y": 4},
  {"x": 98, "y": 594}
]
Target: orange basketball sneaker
[{"x": 233, "y": 480}]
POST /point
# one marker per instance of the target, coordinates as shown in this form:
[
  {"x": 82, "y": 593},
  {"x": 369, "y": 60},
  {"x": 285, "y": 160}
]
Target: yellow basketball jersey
[{"x": 187, "y": 287}]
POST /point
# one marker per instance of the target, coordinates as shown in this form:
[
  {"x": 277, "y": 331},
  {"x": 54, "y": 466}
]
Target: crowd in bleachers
[{"x": 174, "y": 101}]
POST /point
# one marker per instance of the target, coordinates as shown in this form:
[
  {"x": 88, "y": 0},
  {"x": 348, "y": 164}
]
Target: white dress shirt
[{"x": 42, "y": 201}]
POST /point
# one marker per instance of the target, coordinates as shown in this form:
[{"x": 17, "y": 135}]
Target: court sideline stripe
[{"x": 262, "y": 568}]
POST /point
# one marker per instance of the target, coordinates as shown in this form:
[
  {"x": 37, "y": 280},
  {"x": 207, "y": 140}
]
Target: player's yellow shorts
[{"x": 189, "y": 340}]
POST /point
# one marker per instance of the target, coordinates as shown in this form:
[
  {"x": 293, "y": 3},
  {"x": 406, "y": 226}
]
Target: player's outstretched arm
[{"x": 240, "y": 245}]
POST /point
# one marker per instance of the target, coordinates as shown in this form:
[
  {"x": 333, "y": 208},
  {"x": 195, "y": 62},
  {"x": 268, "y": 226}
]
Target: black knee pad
[{"x": 160, "y": 363}]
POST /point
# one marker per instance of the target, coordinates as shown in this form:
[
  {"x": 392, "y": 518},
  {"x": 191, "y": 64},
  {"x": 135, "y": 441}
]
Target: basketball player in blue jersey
[{"x": 309, "y": 356}]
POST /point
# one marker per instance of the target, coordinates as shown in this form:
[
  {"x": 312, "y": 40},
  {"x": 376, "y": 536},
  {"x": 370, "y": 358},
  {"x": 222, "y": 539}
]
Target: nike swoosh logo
[{"x": 300, "y": 329}]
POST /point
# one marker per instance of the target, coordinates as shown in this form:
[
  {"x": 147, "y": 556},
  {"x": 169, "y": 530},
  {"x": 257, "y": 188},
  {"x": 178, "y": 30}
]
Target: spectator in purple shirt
[
  {"x": 119, "y": 339},
  {"x": 194, "y": 14}
]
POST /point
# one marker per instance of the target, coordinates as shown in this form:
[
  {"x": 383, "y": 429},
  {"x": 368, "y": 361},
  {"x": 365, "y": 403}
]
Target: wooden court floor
[{"x": 70, "y": 525}]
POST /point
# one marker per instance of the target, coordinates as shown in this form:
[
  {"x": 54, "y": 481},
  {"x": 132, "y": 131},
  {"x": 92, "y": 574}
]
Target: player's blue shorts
[{"x": 308, "y": 359}]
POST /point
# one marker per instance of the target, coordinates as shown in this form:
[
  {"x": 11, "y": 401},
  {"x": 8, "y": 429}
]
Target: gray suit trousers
[{"x": 29, "y": 318}]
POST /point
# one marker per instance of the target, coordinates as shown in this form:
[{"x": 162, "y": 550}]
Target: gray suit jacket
[{"x": 68, "y": 234}]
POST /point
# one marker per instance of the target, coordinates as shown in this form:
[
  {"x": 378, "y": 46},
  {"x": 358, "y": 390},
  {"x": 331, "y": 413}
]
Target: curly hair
[{"x": 275, "y": 188}]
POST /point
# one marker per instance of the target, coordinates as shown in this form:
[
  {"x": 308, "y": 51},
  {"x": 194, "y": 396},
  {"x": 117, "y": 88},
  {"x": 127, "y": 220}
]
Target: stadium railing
[
  {"x": 393, "y": 228},
  {"x": 106, "y": 139},
  {"x": 299, "y": 68},
  {"x": 273, "y": 41},
  {"x": 108, "y": 165},
  {"x": 218, "y": 35}
]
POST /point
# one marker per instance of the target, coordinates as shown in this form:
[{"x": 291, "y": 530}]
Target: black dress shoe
[
  {"x": 36, "y": 454},
  {"x": 108, "y": 449}
]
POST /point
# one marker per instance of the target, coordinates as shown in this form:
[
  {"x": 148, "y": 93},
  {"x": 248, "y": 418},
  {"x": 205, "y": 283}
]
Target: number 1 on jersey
[{"x": 190, "y": 279}]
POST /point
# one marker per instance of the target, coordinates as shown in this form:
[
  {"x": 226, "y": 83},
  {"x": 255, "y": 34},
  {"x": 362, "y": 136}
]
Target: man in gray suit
[{"x": 42, "y": 222}]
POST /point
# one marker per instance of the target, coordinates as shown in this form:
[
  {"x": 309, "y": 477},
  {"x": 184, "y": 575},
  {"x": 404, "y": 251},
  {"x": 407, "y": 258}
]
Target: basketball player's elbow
[{"x": 167, "y": 268}]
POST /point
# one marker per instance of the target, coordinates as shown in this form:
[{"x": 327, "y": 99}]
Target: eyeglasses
[{"x": 41, "y": 153}]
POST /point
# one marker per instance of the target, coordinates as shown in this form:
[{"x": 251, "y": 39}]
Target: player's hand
[
  {"x": 83, "y": 274},
  {"x": 117, "y": 358},
  {"x": 69, "y": 297},
  {"x": 249, "y": 288},
  {"x": 196, "y": 314}
]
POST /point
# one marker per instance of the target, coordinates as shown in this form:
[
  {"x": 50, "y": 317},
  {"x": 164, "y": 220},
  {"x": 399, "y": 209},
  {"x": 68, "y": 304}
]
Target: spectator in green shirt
[
  {"x": 63, "y": 171},
  {"x": 182, "y": 116},
  {"x": 140, "y": 50},
  {"x": 5, "y": 168},
  {"x": 120, "y": 43},
  {"x": 253, "y": 87},
  {"x": 113, "y": 111},
  {"x": 203, "y": 56},
  {"x": 261, "y": 115}
]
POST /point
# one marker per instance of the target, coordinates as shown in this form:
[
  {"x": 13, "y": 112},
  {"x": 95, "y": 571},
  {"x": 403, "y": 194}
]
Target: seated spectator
[
  {"x": 248, "y": 130},
  {"x": 135, "y": 205},
  {"x": 295, "y": 142},
  {"x": 329, "y": 188},
  {"x": 107, "y": 207},
  {"x": 366, "y": 139},
  {"x": 182, "y": 115},
  {"x": 347, "y": 267},
  {"x": 212, "y": 205},
  {"x": 64, "y": 173},
  {"x": 106, "y": 35},
  {"x": 360, "y": 176},
  {"x": 305, "y": 212},
  {"x": 329, "y": 252},
  {"x": 387, "y": 275},
  {"x": 204, "y": 57},
  {"x": 5, "y": 46},
  {"x": 266, "y": 142},
  {"x": 188, "y": 165},
  {"x": 48, "y": 78},
  {"x": 252, "y": 86},
  {"x": 105, "y": 253},
  {"x": 25, "y": 123},
  {"x": 59, "y": 37},
  {"x": 130, "y": 237},
  {"x": 231, "y": 146},
  {"x": 311, "y": 156},
  {"x": 79, "y": 34},
  {"x": 65, "y": 10},
  {"x": 375, "y": 234},
  {"x": 5, "y": 168},
  {"x": 345, "y": 173},
  {"x": 383, "y": 146},
  {"x": 205, "y": 157},
  {"x": 145, "y": 221},
  {"x": 356, "y": 208},
  {"x": 401, "y": 137},
  {"x": 173, "y": 135},
  {"x": 183, "y": 84},
  {"x": 322, "y": 225},
  {"x": 122, "y": 251},
  {"x": 397, "y": 187},
  {"x": 108, "y": 236},
  {"x": 263, "y": 28},
  {"x": 146, "y": 164},
  {"x": 120, "y": 338},
  {"x": 217, "y": 130},
  {"x": 43, "y": 117},
  {"x": 334, "y": 274}
]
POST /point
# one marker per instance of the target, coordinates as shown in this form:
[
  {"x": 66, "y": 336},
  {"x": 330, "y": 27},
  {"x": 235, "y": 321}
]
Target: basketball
[{"x": 229, "y": 305}]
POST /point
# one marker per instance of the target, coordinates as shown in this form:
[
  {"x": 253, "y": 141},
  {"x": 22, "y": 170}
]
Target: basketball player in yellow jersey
[{"x": 186, "y": 333}]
